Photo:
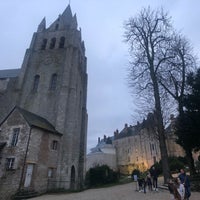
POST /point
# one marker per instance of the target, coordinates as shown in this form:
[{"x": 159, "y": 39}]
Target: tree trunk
[
  {"x": 190, "y": 162},
  {"x": 161, "y": 133},
  {"x": 180, "y": 106}
]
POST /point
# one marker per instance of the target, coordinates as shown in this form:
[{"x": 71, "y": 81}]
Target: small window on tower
[
  {"x": 53, "y": 82},
  {"x": 53, "y": 43},
  {"x": 57, "y": 25},
  {"x": 44, "y": 44},
  {"x": 54, "y": 144},
  {"x": 62, "y": 42},
  {"x": 36, "y": 83},
  {"x": 15, "y": 136},
  {"x": 10, "y": 163},
  {"x": 51, "y": 172}
]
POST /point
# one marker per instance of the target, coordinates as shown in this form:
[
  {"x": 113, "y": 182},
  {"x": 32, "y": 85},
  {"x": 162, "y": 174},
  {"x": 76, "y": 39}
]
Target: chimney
[
  {"x": 116, "y": 133},
  {"x": 126, "y": 126},
  {"x": 98, "y": 140}
]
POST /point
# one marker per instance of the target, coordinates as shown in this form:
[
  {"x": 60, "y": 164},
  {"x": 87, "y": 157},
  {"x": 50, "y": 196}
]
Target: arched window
[
  {"x": 53, "y": 82},
  {"x": 44, "y": 44},
  {"x": 62, "y": 42},
  {"x": 53, "y": 43},
  {"x": 36, "y": 83}
]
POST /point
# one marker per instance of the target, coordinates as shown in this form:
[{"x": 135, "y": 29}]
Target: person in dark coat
[
  {"x": 154, "y": 175},
  {"x": 186, "y": 182},
  {"x": 148, "y": 181},
  {"x": 171, "y": 188}
]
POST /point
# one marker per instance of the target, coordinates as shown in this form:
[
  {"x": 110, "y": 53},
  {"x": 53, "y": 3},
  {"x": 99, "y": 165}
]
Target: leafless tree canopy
[
  {"x": 149, "y": 37},
  {"x": 173, "y": 75},
  {"x": 160, "y": 61}
]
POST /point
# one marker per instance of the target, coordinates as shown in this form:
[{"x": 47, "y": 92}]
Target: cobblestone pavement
[{"x": 119, "y": 192}]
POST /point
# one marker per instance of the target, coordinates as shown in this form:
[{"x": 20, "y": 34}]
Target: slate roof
[
  {"x": 148, "y": 123},
  {"x": 102, "y": 143},
  {"x": 37, "y": 121},
  {"x": 127, "y": 132},
  {"x": 9, "y": 73}
]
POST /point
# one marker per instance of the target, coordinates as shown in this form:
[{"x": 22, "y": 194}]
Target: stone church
[{"x": 43, "y": 113}]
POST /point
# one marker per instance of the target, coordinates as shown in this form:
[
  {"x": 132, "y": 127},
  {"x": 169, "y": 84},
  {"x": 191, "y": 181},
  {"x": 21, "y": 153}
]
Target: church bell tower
[{"x": 53, "y": 85}]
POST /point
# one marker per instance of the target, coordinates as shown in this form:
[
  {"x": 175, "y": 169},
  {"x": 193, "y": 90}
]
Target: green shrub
[
  {"x": 100, "y": 175},
  {"x": 175, "y": 164}
]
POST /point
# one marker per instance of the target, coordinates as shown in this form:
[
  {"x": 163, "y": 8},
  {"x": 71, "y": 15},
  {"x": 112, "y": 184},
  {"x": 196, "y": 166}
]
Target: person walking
[
  {"x": 148, "y": 181},
  {"x": 154, "y": 175},
  {"x": 185, "y": 181},
  {"x": 179, "y": 190},
  {"x": 171, "y": 189}
]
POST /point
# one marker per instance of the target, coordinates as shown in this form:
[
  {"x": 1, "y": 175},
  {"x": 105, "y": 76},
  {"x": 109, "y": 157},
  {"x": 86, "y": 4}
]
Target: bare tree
[
  {"x": 173, "y": 80},
  {"x": 149, "y": 37},
  {"x": 181, "y": 63}
]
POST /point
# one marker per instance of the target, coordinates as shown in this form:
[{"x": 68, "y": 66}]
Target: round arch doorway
[{"x": 72, "y": 180}]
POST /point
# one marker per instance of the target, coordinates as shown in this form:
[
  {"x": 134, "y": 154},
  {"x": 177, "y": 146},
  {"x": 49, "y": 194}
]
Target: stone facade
[
  {"x": 137, "y": 147},
  {"x": 52, "y": 83},
  {"x": 30, "y": 143}
]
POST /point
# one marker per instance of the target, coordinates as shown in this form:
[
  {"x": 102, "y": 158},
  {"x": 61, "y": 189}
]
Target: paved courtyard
[{"x": 119, "y": 192}]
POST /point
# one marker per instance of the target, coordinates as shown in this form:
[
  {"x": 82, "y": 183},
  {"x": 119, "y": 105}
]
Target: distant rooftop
[{"x": 9, "y": 73}]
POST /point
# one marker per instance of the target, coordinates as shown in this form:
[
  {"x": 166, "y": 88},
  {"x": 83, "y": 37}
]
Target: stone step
[{"x": 24, "y": 195}]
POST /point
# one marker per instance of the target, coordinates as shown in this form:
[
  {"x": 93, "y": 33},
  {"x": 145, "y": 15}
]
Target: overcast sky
[{"x": 110, "y": 104}]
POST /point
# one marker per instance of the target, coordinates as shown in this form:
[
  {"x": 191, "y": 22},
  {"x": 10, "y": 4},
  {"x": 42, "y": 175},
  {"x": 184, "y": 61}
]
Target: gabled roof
[
  {"x": 35, "y": 120},
  {"x": 9, "y": 73}
]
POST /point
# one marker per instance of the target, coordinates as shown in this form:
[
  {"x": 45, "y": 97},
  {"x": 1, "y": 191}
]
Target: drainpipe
[{"x": 25, "y": 156}]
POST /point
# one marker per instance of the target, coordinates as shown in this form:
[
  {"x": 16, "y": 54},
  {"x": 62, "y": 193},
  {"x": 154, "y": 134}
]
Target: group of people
[
  {"x": 150, "y": 181},
  {"x": 179, "y": 187}
]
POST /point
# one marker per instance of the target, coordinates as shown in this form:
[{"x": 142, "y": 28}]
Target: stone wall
[
  {"x": 64, "y": 107},
  {"x": 36, "y": 150},
  {"x": 139, "y": 151},
  {"x": 10, "y": 179}
]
